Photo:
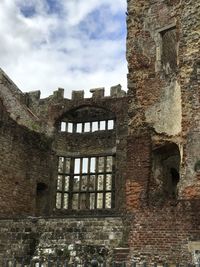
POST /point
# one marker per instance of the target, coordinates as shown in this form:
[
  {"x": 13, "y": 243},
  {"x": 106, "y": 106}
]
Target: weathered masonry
[
  {"x": 110, "y": 177},
  {"x": 163, "y": 81},
  {"x": 64, "y": 163}
]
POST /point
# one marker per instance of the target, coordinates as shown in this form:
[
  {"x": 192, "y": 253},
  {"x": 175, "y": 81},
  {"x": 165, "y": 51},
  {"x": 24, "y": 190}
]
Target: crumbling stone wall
[
  {"x": 25, "y": 160},
  {"x": 56, "y": 109},
  {"x": 38, "y": 172},
  {"x": 161, "y": 99},
  {"x": 75, "y": 239},
  {"x": 155, "y": 141},
  {"x": 163, "y": 82}
]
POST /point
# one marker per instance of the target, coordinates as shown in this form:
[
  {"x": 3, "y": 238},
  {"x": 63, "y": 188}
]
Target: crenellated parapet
[
  {"x": 96, "y": 93},
  {"x": 41, "y": 114}
]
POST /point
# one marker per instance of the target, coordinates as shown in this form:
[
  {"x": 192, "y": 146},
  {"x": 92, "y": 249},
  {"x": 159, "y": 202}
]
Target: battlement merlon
[{"x": 97, "y": 93}]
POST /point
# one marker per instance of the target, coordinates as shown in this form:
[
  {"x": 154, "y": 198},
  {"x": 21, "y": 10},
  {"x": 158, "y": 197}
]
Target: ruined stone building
[{"x": 110, "y": 176}]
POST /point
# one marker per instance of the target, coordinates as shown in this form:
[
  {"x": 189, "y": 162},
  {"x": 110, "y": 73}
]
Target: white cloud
[{"x": 77, "y": 47}]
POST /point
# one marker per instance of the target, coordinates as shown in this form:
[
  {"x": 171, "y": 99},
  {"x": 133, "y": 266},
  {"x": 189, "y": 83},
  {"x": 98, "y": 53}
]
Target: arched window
[{"x": 86, "y": 178}]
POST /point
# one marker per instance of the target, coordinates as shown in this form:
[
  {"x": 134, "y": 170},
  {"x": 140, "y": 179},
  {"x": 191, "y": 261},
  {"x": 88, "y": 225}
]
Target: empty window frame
[
  {"x": 85, "y": 183},
  {"x": 169, "y": 49},
  {"x": 85, "y": 127}
]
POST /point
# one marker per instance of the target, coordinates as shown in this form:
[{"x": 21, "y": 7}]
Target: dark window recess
[
  {"x": 166, "y": 164},
  {"x": 41, "y": 187},
  {"x": 85, "y": 183},
  {"x": 169, "y": 49}
]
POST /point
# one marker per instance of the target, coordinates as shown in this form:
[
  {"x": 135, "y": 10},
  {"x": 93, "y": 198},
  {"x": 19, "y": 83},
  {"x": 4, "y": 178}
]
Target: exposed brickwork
[
  {"x": 166, "y": 99},
  {"x": 155, "y": 142},
  {"x": 138, "y": 171},
  {"x": 162, "y": 234},
  {"x": 25, "y": 158}
]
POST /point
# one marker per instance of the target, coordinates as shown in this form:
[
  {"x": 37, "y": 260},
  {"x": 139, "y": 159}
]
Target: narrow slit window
[
  {"x": 63, "y": 126},
  {"x": 94, "y": 126},
  {"x": 169, "y": 50},
  {"x": 92, "y": 164},
  {"x": 85, "y": 165},
  {"x": 70, "y": 127},
  {"x": 79, "y": 127},
  {"x": 87, "y": 127},
  {"x": 110, "y": 124},
  {"x": 77, "y": 164},
  {"x": 102, "y": 125}
]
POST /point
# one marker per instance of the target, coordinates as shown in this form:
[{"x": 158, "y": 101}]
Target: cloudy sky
[{"x": 72, "y": 44}]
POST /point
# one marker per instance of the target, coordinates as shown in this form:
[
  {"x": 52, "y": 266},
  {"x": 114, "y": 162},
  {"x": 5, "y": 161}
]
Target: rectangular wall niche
[
  {"x": 86, "y": 127},
  {"x": 85, "y": 183},
  {"x": 169, "y": 49},
  {"x": 166, "y": 49}
]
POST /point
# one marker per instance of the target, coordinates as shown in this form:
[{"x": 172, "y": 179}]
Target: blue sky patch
[
  {"x": 73, "y": 43},
  {"x": 28, "y": 11},
  {"x": 97, "y": 25},
  {"x": 54, "y": 6}
]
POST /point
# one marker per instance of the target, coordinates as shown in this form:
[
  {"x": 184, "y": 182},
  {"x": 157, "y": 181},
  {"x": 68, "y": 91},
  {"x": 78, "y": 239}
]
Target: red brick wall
[
  {"x": 138, "y": 170},
  {"x": 162, "y": 234},
  {"x": 24, "y": 160}
]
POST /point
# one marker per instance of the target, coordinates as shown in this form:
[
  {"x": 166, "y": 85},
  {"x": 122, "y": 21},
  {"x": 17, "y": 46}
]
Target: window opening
[
  {"x": 169, "y": 49},
  {"x": 94, "y": 126},
  {"x": 79, "y": 128},
  {"x": 110, "y": 124},
  {"x": 166, "y": 165},
  {"x": 85, "y": 183},
  {"x": 102, "y": 125},
  {"x": 70, "y": 127},
  {"x": 86, "y": 127},
  {"x": 41, "y": 187},
  {"x": 63, "y": 126}
]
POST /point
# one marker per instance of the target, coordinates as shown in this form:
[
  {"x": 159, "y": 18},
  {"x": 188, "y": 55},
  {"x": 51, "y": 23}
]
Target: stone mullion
[
  {"x": 71, "y": 180},
  {"x": 80, "y": 182},
  {"x": 96, "y": 181},
  {"x": 104, "y": 182},
  {"x": 63, "y": 183},
  {"x": 88, "y": 181}
]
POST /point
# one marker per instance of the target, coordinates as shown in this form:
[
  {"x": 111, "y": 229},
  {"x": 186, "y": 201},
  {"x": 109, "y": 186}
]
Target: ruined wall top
[
  {"x": 6, "y": 81},
  {"x": 97, "y": 93},
  {"x": 38, "y": 114}
]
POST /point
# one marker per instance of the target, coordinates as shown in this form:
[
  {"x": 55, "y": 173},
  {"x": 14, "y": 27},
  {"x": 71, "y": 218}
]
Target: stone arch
[{"x": 85, "y": 113}]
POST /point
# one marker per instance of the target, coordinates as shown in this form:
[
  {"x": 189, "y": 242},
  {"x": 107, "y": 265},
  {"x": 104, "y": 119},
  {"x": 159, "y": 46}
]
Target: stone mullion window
[
  {"x": 62, "y": 192},
  {"x": 85, "y": 183},
  {"x": 87, "y": 127}
]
